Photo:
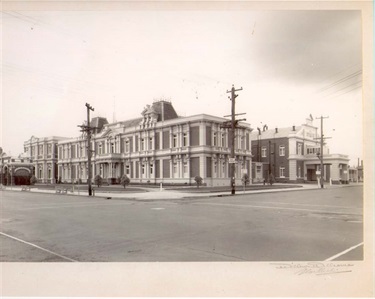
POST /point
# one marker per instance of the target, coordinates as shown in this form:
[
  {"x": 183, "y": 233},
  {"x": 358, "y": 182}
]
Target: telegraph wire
[
  {"x": 351, "y": 76},
  {"x": 357, "y": 87}
]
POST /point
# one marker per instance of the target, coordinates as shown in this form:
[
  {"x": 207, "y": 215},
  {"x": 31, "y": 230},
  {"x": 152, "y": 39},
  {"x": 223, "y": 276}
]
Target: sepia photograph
[{"x": 186, "y": 149}]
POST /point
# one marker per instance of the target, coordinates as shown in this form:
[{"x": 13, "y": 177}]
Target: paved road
[{"x": 306, "y": 225}]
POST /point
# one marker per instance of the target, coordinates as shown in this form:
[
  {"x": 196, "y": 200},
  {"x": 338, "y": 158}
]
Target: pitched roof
[
  {"x": 131, "y": 122},
  {"x": 164, "y": 108},
  {"x": 98, "y": 123}
]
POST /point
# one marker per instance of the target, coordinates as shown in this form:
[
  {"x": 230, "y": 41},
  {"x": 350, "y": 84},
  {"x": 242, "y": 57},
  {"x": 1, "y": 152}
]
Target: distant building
[
  {"x": 14, "y": 171},
  {"x": 42, "y": 152},
  {"x": 291, "y": 155},
  {"x": 356, "y": 173},
  {"x": 158, "y": 147}
]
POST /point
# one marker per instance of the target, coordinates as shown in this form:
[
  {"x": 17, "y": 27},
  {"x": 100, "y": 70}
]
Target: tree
[
  {"x": 33, "y": 180},
  {"x": 245, "y": 179},
  {"x": 125, "y": 180},
  {"x": 198, "y": 180},
  {"x": 98, "y": 180}
]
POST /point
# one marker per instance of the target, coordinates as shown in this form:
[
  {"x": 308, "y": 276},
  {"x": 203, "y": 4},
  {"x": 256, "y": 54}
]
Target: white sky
[{"x": 290, "y": 64}]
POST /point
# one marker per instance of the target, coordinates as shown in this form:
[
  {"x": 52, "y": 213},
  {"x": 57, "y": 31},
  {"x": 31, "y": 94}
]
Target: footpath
[{"x": 144, "y": 193}]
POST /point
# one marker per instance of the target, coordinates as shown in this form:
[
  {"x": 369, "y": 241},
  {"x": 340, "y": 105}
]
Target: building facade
[
  {"x": 158, "y": 147},
  {"x": 15, "y": 170},
  {"x": 293, "y": 155},
  {"x": 42, "y": 152}
]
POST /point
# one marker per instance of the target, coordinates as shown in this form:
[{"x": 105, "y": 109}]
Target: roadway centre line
[
  {"x": 343, "y": 252},
  {"x": 36, "y": 246},
  {"x": 266, "y": 207}
]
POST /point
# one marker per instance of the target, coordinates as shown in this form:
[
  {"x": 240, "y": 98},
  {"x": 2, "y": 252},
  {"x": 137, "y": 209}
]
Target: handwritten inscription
[{"x": 315, "y": 268}]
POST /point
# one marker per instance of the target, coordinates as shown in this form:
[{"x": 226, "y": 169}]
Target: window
[
  {"x": 40, "y": 149},
  {"x": 73, "y": 151},
  {"x": 49, "y": 149},
  {"x": 223, "y": 170},
  {"x": 282, "y": 172},
  {"x": 215, "y": 167},
  {"x": 264, "y": 152},
  {"x": 185, "y": 168},
  {"x": 185, "y": 139},
  {"x": 127, "y": 147},
  {"x": 299, "y": 149},
  {"x": 223, "y": 140},
  {"x": 100, "y": 149},
  {"x": 313, "y": 150},
  {"x": 281, "y": 150},
  {"x": 151, "y": 168},
  {"x": 49, "y": 173},
  {"x": 127, "y": 169},
  {"x": 174, "y": 140},
  {"x": 299, "y": 172},
  {"x": 40, "y": 173},
  {"x": 259, "y": 169},
  {"x": 142, "y": 144},
  {"x": 143, "y": 169},
  {"x": 214, "y": 139},
  {"x": 150, "y": 144},
  {"x": 112, "y": 147},
  {"x": 175, "y": 169}
]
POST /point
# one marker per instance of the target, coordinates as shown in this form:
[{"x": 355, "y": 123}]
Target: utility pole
[
  {"x": 88, "y": 130},
  {"x": 232, "y": 125},
  {"x": 321, "y": 151}
]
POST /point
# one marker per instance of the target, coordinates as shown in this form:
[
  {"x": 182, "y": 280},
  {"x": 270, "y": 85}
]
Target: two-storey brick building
[{"x": 291, "y": 155}]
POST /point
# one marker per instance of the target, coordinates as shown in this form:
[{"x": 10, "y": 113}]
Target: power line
[
  {"x": 356, "y": 87},
  {"x": 358, "y": 82},
  {"x": 353, "y": 75}
]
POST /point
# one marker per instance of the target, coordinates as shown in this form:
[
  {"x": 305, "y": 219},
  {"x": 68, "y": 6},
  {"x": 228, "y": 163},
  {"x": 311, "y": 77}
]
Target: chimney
[
  {"x": 294, "y": 128},
  {"x": 276, "y": 130},
  {"x": 162, "y": 111}
]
